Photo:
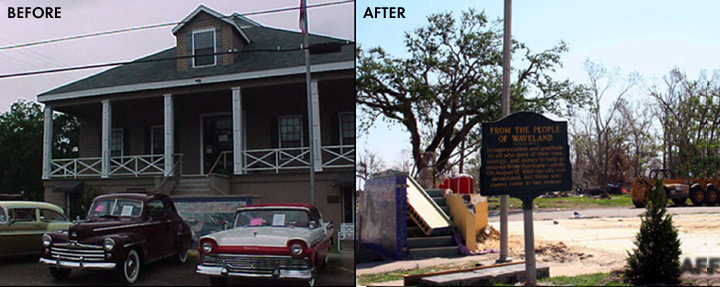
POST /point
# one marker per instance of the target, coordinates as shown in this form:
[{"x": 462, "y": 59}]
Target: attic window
[{"x": 203, "y": 42}]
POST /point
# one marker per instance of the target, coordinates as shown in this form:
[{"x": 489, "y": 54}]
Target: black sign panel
[{"x": 524, "y": 155}]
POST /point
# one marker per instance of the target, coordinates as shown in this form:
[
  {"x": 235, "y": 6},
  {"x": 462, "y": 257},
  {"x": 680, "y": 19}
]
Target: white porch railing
[
  {"x": 297, "y": 158},
  {"x": 76, "y": 167},
  {"x": 135, "y": 165},
  {"x": 338, "y": 156},
  {"x": 276, "y": 159},
  {"x": 131, "y": 165}
]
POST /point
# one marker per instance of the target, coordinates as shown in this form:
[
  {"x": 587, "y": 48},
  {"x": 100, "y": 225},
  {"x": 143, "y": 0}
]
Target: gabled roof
[
  {"x": 230, "y": 20},
  {"x": 252, "y": 61}
]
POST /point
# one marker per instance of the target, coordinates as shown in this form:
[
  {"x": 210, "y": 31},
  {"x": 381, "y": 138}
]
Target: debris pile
[{"x": 559, "y": 252}]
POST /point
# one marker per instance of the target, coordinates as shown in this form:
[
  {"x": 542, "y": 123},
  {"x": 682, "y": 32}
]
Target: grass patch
[
  {"x": 567, "y": 202},
  {"x": 364, "y": 279},
  {"x": 594, "y": 279}
]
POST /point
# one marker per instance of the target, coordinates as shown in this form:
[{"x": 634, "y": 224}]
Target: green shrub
[{"x": 656, "y": 257}]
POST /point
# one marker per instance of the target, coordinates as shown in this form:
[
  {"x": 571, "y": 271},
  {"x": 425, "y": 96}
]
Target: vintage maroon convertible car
[
  {"x": 122, "y": 231},
  {"x": 279, "y": 241}
]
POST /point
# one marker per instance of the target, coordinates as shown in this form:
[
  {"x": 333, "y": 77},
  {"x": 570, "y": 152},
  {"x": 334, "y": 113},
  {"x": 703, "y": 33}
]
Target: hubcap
[
  {"x": 712, "y": 196},
  {"x": 699, "y": 196},
  {"x": 131, "y": 266}
]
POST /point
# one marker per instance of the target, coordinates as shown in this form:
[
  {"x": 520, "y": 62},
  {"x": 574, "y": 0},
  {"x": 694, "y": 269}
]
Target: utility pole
[
  {"x": 505, "y": 112},
  {"x": 311, "y": 135}
]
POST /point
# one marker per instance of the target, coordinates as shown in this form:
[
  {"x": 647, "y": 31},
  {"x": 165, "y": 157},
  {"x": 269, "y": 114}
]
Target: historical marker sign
[{"x": 524, "y": 155}]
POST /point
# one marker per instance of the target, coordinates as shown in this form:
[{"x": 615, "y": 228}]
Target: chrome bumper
[
  {"x": 283, "y": 274},
  {"x": 81, "y": 265}
]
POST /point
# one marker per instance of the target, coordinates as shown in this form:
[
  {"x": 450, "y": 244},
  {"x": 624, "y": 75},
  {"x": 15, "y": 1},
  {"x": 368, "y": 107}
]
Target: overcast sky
[
  {"x": 83, "y": 17},
  {"x": 650, "y": 37}
]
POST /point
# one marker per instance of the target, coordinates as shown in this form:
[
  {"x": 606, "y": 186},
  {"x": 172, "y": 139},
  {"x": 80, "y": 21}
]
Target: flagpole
[{"x": 311, "y": 135}]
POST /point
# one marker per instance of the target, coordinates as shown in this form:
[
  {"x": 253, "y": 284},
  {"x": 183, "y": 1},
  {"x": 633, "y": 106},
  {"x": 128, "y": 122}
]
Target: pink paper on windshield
[
  {"x": 99, "y": 208},
  {"x": 256, "y": 221}
]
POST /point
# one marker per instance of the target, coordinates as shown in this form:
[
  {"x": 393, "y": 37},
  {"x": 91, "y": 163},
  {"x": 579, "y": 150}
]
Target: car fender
[{"x": 125, "y": 242}]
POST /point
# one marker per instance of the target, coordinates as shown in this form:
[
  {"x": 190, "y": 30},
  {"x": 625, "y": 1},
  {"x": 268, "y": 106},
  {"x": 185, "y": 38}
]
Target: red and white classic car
[{"x": 278, "y": 241}]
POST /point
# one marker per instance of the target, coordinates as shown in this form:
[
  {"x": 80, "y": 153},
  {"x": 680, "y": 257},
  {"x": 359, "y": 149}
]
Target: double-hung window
[
  {"x": 203, "y": 47},
  {"x": 347, "y": 128},
  {"x": 116, "y": 143},
  {"x": 290, "y": 129}
]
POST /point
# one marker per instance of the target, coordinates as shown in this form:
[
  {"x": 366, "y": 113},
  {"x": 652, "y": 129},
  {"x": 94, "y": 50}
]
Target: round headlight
[
  {"x": 296, "y": 249},
  {"x": 108, "y": 244},
  {"x": 207, "y": 247},
  {"x": 47, "y": 240}
]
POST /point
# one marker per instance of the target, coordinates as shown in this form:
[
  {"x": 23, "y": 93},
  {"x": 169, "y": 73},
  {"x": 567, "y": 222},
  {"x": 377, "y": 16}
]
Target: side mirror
[
  {"x": 312, "y": 224},
  {"x": 10, "y": 222}
]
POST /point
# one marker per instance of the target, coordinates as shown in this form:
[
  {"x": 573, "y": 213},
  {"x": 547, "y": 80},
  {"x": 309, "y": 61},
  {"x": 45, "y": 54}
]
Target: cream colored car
[{"x": 23, "y": 223}]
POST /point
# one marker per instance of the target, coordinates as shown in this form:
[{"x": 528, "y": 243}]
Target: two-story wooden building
[{"x": 207, "y": 124}]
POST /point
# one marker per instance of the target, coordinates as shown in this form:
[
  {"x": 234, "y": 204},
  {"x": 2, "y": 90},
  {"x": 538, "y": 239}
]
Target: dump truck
[{"x": 700, "y": 191}]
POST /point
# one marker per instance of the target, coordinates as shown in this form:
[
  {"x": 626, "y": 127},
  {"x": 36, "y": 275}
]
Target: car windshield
[
  {"x": 272, "y": 217},
  {"x": 116, "y": 207}
]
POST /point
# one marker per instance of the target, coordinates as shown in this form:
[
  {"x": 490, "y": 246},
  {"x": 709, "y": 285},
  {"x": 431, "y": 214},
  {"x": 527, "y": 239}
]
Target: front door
[{"x": 217, "y": 138}]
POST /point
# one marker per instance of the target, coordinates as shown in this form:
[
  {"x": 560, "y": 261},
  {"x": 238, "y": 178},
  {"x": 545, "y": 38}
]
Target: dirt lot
[
  {"x": 578, "y": 246},
  {"x": 597, "y": 243}
]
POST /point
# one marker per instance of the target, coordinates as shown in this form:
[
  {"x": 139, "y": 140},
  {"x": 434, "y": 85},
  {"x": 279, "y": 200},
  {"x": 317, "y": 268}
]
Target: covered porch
[{"x": 232, "y": 130}]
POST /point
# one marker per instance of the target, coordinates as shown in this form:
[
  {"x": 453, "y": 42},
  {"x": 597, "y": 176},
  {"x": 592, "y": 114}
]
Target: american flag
[{"x": 303, "y": 16}]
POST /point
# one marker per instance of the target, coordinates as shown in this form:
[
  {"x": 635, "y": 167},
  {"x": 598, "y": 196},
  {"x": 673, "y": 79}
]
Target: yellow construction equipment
[{"x": 700, "y": 191}]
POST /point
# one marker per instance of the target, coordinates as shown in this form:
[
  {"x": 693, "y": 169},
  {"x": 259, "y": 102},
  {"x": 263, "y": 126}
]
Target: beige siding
[{"x": 231, "y": 39}]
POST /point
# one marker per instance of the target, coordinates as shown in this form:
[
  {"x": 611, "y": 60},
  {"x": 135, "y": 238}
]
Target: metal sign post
[
  {"x": 530, "y": 268},
  {"x": 525, "y": 155},
  {"x": 507, "y": 55}
]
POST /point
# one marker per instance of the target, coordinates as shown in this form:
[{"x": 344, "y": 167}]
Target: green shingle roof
[{"x": 248, "y": 60}]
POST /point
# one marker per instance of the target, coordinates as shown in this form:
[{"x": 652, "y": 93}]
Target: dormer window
[{"x": 203, "y": 43}]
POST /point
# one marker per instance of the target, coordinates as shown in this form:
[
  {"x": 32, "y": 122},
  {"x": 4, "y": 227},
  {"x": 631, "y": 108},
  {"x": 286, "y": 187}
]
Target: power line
[
  {"x": 147, "y": 61},
  {"x": 162, "y": 25}
]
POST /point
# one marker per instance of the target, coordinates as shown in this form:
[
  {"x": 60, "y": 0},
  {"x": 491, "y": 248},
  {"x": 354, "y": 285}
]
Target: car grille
[
  {"x": 257, "y": 264},
  {"x": 76, "y": 252}
]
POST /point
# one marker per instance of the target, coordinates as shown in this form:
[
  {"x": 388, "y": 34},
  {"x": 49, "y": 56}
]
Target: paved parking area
[{"x": 27, "y": 271}]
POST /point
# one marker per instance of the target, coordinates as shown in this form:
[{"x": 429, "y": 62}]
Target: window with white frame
[
  {"x": 347, "y": 128},
  {"x": 290, "y": 129},
  {"x": 157, "y": 140},
  {"x": 116, "y": 143},
  {"x": 203, "y": 47}
]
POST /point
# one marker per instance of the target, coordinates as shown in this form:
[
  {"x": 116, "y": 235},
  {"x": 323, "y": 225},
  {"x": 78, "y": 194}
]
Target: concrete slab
[{"x": 504, "y": 274}]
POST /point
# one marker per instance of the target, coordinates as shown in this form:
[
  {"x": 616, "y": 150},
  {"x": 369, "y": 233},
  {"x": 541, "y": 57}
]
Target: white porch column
[
  {"x": 106, "y": 134},
  {"x": 47, "y": 142},
  {"x": 317, "y": 144},
  {"x": 169, "y": 135},
  {"x": 237, "y": 117}
]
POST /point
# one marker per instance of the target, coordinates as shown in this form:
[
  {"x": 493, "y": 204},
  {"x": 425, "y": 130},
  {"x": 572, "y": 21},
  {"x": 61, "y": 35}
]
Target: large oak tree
[{"x": 451, "y": 82}]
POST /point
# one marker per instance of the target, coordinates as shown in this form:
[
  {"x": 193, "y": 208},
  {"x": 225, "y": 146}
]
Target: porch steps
[
  {"x": 438, "y": 245},
  {"x": 192, "y": 186}
]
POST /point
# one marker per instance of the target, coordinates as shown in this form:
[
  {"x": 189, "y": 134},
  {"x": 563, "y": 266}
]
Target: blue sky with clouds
[{"x": 649, "y": 37}]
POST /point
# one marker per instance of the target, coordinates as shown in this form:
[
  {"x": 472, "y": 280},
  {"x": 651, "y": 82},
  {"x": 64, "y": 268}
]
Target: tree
[
  {"x": 368, "y": 164},
  {"x": 600, "y": 135},
  {"x": 454, "y": 71},
  {"x": 21, "y": 143},
  {"x": 656, "y": 257},
  {"x": 638, "y": 121},
  {"x": 690, "y": 116}
]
